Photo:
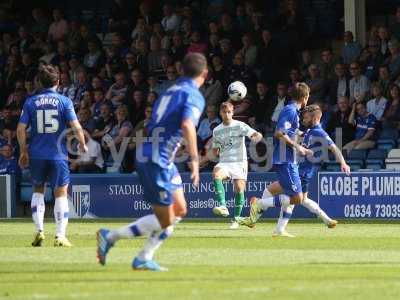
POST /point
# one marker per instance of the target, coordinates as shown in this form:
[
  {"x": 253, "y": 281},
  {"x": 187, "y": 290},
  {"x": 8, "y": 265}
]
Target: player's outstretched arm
[
  {"x": 21, "y": 136},
  {"x": 77, "y": 128},
  {"x": 189, "y": 134},
  {"x": 339, "y": 157},
  {"x": 256, "y": 137}
]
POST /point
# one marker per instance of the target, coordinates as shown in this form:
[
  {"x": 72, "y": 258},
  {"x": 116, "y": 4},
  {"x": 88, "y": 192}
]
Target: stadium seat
[
  {"x": 389, "y": 133},
  {"x": 355, "y": 166},
  {"x": 375, "y": 159},
  {"x": 356, "y": 158},
  {"x": 394, "y": 153},
  {"x": 393, "y": 166},
  {"x": 333, "y": 167},
  {"x": 385, "y": 146}
]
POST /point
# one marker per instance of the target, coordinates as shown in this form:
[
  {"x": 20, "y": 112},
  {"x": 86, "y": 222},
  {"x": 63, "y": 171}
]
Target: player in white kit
[{"x": 228, "y": 144}]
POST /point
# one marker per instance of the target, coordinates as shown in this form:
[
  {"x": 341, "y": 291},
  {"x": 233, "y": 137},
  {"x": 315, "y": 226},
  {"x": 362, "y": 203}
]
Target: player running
[
  {"x": 284, "y": 159},
  {"x": 228, "y": 144},
  {"x": 175, "y": 113},
  {"x": 317, "y": 140},
  {"x": 48, "y": 114}
]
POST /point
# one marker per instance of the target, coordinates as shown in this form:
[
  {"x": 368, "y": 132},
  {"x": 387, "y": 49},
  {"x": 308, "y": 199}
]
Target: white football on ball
[{"x": 237, "y": 90}]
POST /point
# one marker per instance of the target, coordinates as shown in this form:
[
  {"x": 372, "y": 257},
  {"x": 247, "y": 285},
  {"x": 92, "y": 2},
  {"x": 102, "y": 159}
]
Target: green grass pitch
[{"x": 207, "y": 261}]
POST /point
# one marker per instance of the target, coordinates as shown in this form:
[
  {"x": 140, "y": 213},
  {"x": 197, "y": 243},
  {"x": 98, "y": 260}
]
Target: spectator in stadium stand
[
  {"x": 268, "y": 57},
  {"x": 377, "y": 105},
  {"x": 74, "y": 38},
  {"x": 372, "y": 59},
  {"x": 146, "y": 12},
  {"x": 48, "y": 53},
  {"x": 62, "y": 53},
  {"x": 155, "y": 54},
  {"x": 340, "y": 120},
  {"x": 351, "y": 49},
  {"x": 241, "y": 19},
  {"x": 261, "y": 108},
  {"x": 141, "y": 55},
  {"x": 359, "y": 84},
  {"x": 384, "y": 36},
  {"x": 94, "y": 58},
  {"x": 104, "y": 122},
  {"x": 327, "y": 64},
  {"x": 91, "y": 161},
  {"x": 97, "y": 83},
  {"x": 171, "y": 78},
  {"x": 8, "y": 120},
  {"x": 16, "y": 100},
  {"x": 153, "y": 84},
  {"x": 25, "y": 40},
  {"x": 177, "y": 50},
  {"x": 99, "y": 100},
  {"x": 140, "y": 31},
  {"x": 365, "y": 124},
  {"x": 239, "y": 71},
  {"x": 249, "y": 50},
  {"x": 116, "y": 92},
  {"x": 192, "y": 16},
  {"x": 212, "y": 89},
  {"x": 66, "y": 87},
  {"x": 59, "y": 28},
  {"x": 226, "y": 52},
  {"x": 86, "y": 120},
  {"x": 395, "y": 27},
  {"x": 165, "y": 39},
  {"x": 306, "y": 61},
  {"x": 121, "y": 129},
  {"x": 242, "y": 109},
  {"x": 12, "y": 73},
  {"x": 151, "y": 98},
  {"x": 129, "y": 63},
  {"x": 391, "y": 117},
  {"x": 82, "y": 86},
  {"x": 40, "y": 24},
  {"x": 171, "y": 21},
  {"x": 228, "y": 30},
  {"x": 8, "y": 163},
  {"x": 137, "y": 82},
  {"x": 213, "y": 46},
  {"x": 136, "y": 104},
  {"x": 393, "y": 61},
  {"x": 218, "y": 69},
  {"x": 196, "y": 43},
  {"x": 256, "y": 26},
  {"x": 206, "y": 126},
  {"x": 339, "y": 85},
  {"x": 29, "y": 87},
  {"x": 75, "y": 66},
  {"x": 384, "y": 79},
  {"x": 316, "y": 84},
  {"x": 29, "y": 68},
  {"x": 118, "y": 43},
  {"x": 119, "y": 15},
  {"x": 279, "y": 101},
  {"x": 294, "y": 77}
]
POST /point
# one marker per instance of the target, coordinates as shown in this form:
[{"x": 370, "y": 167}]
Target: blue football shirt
[
  {"x": 288, "y": 123},
  {"x": 317, "y": 140},
  {"x": 182, "y": 100},
  {"x": 48, "y": 114},
  {"x": 363, "y": 124}
]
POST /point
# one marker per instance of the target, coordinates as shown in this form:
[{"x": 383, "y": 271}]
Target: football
[{"x": 237, "y": 90}]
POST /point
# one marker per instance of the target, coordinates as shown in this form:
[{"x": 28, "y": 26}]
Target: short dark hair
[
  {"x": 226, "y": 105},
  {"x": 48, "y": 76},
  {"x": 194, "y": 64}
]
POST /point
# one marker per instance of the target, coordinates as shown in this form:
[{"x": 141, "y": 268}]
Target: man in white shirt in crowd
[
  {"x": 377, "y": 105},
  {"x": 90, "y": 161}
]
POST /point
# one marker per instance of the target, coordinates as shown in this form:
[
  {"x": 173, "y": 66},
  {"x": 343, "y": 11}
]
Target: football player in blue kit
[
  {"x": 175, "y": 115},
  {"x": 317, "y": 140},
  {"x": 284, "y": 159},
  {"x": 47, "y": 115}
]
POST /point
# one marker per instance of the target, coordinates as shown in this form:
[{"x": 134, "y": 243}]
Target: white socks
[
  {"x": 38, "y": 208},
  {"x": 156, "y": 239},
  {"x": 313, "y": 207},
  {"x": 61, "y": 212},
  {"x": 142, "y": 226},
  {"x": 284, "y": 216},
  {"x": 268, "y": 200}
]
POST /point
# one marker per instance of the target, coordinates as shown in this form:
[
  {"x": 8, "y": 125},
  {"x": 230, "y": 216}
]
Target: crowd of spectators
[{"x": 113, "y": 79}]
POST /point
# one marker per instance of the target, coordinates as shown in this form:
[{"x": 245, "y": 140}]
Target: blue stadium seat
[
  {"x": 333, "y": 167},
  {"x": 356, "y": 158},
  {"x": 385, "y": 146},
  {"x": 389, "y": 133},
  {"x": 376, "y": 159}
]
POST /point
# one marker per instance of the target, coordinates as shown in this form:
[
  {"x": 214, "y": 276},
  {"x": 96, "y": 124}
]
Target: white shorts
[{"x": 234, "y": 170}]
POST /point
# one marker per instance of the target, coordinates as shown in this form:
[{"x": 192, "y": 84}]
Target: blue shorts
[
  {"x": 289, "y": 179},
  {"x": 306, "y": 174},
  {"x": 55, "y": 172},
  {"x": 158, "y": 183}
]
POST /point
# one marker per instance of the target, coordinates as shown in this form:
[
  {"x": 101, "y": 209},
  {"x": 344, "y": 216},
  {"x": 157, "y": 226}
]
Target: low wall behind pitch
[{"x": 361, "y": 195}]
